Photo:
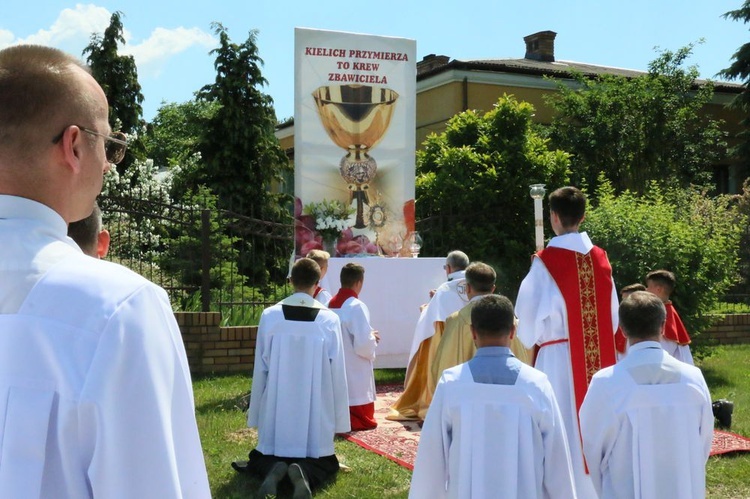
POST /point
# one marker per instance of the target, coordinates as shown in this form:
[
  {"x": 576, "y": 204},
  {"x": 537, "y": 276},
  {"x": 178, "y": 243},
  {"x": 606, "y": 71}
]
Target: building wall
[{"x": 731, "y": 330}]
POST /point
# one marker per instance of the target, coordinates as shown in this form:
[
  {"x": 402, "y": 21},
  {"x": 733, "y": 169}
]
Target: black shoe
[
  {"x": 239, "y": 466},
  {"x": 271, "y": 482},
  {"x": 723, "y": 410},
  {"x": 301, "y": 485}
]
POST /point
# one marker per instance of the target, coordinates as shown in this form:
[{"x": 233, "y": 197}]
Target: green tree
[
  {"x": 740, "y": 70},
  {"x": 176, "y": 132},
  {"x": 242, "y": 160},
  {"x": 472, "y": 187},
  {"x": 118, "y": 76},
  {"x": 635, "y": 130},
  {"x": 683, "y": 230}
]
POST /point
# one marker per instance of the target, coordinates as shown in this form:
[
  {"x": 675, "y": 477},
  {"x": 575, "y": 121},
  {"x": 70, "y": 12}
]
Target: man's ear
[
  {"x": 102, "y": 243},
  {"x": 512, "y": 332},
  {"x": 473, "y": 332},
  {"x": 72, "y": 144}
]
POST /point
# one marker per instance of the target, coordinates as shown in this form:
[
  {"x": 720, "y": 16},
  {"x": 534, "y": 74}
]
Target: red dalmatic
[
  {"x": 585, "y": 282},
  {"x": 674, "y": 329}
]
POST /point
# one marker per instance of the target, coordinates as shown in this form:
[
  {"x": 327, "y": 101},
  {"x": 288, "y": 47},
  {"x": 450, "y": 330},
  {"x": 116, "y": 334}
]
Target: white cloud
[
  {"x": 72, "y": 25},
  {"x": 151, "y": 54},
  {"x": 6, "y": 38}
]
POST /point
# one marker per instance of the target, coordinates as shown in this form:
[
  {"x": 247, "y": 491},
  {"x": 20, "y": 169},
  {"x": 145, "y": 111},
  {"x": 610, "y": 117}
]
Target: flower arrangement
[{"x": 331, "y": 217}]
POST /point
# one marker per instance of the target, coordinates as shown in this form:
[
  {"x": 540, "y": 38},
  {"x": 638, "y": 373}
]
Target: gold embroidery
[{"x": 589, "y": 318}]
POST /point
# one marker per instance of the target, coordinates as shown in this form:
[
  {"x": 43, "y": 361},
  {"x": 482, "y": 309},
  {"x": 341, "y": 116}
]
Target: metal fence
[{"x": 207, "y": 259}]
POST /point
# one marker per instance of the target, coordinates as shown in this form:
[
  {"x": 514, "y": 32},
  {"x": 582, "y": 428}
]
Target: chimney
[
  {"x": 541, "y": 46},
  {"x": 432, "y": 61}
]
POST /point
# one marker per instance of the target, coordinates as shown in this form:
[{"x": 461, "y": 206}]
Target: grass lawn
[{"x": 221, "y": 420}]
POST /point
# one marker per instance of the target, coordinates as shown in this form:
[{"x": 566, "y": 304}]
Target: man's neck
[{"x": 307, "y": 291}]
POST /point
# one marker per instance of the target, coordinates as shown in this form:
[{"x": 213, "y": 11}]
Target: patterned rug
[{"x": 398, "y": 440}]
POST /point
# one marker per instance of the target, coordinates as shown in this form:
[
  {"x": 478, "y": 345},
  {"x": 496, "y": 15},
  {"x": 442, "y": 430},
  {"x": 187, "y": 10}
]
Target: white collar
[
  {"x": 15, "y": 207},
  {"x": 574, "y": 241},
  {"x": 302, "y": 300},
  {"x": 459, "y": 274}
]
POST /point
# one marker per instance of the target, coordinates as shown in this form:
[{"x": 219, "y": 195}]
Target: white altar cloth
[{"x": 394, "y": 290}]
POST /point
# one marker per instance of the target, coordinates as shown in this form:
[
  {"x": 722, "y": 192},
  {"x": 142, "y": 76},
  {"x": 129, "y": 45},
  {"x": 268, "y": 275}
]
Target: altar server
[
  {"x": 95, "y": 393},
  {"x": 456, "y": 344},
  {"x": 494, "y": 428},
  {"x": 675, "y": 338},
  {"x": 446, "y": 299},
  {"x": 321, "y": 258},
  {"x": 567, "y": 310},
  {"x": 299, "y": 394},
  {"x": 360, "y": 342},
  {"x": 90, "y": 235},
  {"x": 647, "y": 422}
]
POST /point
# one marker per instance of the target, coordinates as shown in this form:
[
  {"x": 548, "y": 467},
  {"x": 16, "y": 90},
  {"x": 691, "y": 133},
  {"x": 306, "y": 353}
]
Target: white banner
[{"x": 354, "y": 142}]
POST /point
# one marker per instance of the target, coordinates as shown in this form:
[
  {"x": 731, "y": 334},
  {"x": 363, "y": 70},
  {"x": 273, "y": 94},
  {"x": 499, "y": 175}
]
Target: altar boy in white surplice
[
  {"x": 647, "y": 422},
  {"x": 299, "y": 395},
  {"x": 494, "y": 428}
]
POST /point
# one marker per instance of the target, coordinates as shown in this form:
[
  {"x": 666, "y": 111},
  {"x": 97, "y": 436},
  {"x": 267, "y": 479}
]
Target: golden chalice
[{"x": 356, "y": 117}]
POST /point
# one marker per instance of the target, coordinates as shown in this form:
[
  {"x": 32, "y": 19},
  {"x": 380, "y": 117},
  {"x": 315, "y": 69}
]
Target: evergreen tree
[
  {"x": 243, "y": 163},
  {"x": 740, "y": 70},
  {"x": 118, "y": 76}
]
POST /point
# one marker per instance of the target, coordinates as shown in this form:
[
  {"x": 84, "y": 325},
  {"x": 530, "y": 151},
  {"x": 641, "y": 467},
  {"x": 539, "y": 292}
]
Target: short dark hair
[
  {"x": 570, "y": 205},
  {"x": 305, "y": 273},
  {"x": 458, "y": 260},
  {"x": 642, "y": 315},
  {"x": 492, "y": 316},
  {"x": 86, "y": 232},
  {"x": 631, "y": 288},
  {"x": 481, "y": 277},
  {"x": 663, "y": 277},
  {"x": 351, "y": 274}
]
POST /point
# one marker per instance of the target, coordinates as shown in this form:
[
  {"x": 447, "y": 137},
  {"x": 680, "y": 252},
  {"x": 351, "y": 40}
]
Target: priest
[
  {"x": 446, "y": 299},
  {"x": 299, "y": 396},
  {"x": 647, "y": 423},
  {"x": 456, "y": 344},
  {"x": 567, "y": 311},
  {"x": 494, "y": 428}
]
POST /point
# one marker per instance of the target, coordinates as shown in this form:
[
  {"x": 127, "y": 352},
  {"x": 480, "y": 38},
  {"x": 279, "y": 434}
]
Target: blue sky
[{"x": 171, "y": 40}]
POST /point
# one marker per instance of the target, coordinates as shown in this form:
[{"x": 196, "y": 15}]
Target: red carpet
[{"x": 398, "y": 440}]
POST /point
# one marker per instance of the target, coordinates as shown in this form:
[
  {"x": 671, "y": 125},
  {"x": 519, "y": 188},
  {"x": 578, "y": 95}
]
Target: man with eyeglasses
[{"x": 95, "y": 392}]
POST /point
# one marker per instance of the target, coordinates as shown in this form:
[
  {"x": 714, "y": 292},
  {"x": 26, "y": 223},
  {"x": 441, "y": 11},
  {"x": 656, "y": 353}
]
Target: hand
[
  {"x": 376, "y": 335},
  {"x": 432, "y": 292}
]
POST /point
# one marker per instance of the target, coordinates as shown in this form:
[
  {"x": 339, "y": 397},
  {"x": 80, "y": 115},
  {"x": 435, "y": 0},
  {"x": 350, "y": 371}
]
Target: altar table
[{"x": 394, "y": 290}]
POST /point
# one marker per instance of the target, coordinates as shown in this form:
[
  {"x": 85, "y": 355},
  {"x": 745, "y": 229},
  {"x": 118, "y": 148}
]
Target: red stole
[
  {"x": 318, "y": 289},
  {"x": 340, "y": 297},
  {"x": 585, "y": 282},
  {"x": 621, "y": 342},
  {"x": 674, "y": 329}
]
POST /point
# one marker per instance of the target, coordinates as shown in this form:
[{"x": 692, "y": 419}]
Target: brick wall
[
  {"x": 731, "y": 329},
  {"x": 214, "y": 349}
]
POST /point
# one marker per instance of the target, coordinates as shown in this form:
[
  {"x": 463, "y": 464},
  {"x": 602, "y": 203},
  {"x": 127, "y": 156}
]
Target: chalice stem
[{"x": 359, "y": 195}]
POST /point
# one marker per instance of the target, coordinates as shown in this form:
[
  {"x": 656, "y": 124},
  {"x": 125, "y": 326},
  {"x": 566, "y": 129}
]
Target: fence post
[{"x": 206, "y": 260}]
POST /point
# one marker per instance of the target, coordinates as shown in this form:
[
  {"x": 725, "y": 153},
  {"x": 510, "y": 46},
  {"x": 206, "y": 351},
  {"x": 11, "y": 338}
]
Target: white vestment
[
  {"x": 542, "y": 317},
  {"x": 299, "y": 395},
  {"x": 359, "y": 350},
  {"x": 95, "y": 392},
  {"x": 449, "y": 297},
  {"x": 647, "y": 427},
  {"x": 324, "y": 296},
  {"x": 482, "y": 440},
  {"x": 679, "y": 352}
]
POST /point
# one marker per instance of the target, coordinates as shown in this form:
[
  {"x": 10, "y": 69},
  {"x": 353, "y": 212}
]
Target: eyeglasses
[{"x": 115, "y": 145}]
